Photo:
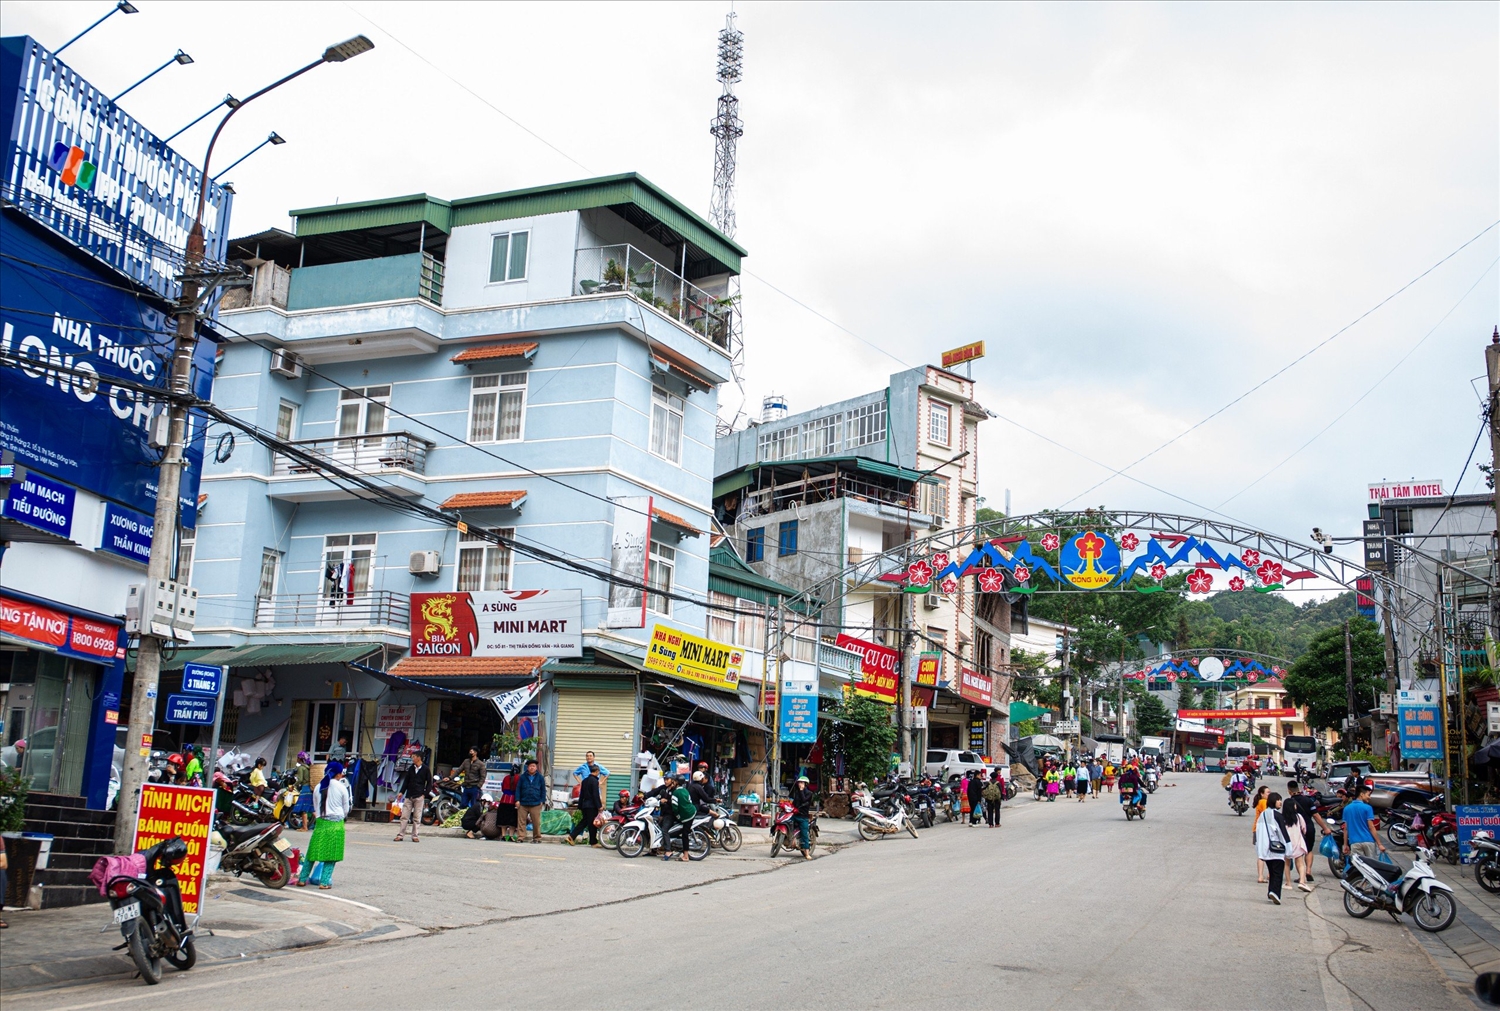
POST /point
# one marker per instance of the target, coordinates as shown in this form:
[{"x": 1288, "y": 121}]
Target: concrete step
[
  {"x": 56, "y": 799},
  {"x": 70, "y": 830},
  {"x": 59, "y": 896},
  {"x": 56, "y": 812}
]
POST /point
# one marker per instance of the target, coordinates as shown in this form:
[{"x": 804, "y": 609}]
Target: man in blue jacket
[{"x": 531, "y": 795}]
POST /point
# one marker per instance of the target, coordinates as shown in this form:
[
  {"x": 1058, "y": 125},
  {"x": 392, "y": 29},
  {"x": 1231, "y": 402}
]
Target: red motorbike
[
  {"x": 609, "y": 832},
  {"x": 1439, "y": 833},
  {"x": 784, "y": 834}
]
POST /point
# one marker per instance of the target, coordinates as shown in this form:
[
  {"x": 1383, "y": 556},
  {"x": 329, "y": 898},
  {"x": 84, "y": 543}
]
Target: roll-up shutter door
[{"x": 601, "y": 721}]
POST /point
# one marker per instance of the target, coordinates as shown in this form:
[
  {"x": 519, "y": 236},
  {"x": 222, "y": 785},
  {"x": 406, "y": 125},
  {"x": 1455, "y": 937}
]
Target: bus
[{"x": 1300, "y": 749}]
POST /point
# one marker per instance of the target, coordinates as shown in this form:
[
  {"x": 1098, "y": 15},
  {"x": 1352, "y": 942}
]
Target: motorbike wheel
[
  {"x": 148, "y": 963},
  {"x": 1487, "y": 874},
  {"x": 280, "y": 873},
  {"x": 1141, "y": 814},
  {"x": 632, "y": 841},
  {"x": 911, "y": 828},
  {"x": 731, "y": 838},
  {"x": 776, "y": 838},
  {"x": 609, "y": 835},
  {"x": 447, "y": 807},
  {"x": 1357, "y": 907},
  {"x": 868, "y": 830},
  {"x": 1434, "y": 911},
  {"x": 1398, "y": 833},
  {"x": 1450, "y": 853},
  {"x": 697, "y": 844},
  {"x": 1336, "y": 867},
  {"x": 185, "y": 957}
]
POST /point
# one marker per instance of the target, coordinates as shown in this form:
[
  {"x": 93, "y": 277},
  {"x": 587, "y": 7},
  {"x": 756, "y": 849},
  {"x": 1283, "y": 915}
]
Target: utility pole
[
  {"x": 1349, "y": 675},
  {"x": 1492, "y": 414},
  {"x": 903, "y": 691},
  {"x": 195, "y": 283}
]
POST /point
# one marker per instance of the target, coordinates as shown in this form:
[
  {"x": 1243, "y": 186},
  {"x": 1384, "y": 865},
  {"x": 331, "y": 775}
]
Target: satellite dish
[{"x": 1211, "y": 668}]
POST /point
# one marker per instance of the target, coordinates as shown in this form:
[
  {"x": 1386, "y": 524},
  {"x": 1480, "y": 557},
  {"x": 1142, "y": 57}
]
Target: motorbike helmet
[
  {"x": 171, "y": 852},
  {"x": 175, "y": 759},
  {"x": 222, "y": 782},
  {"x": 189, "y": 748},
  {"x": 624, "y": 794},
  {"x": 302, "y": 757}
]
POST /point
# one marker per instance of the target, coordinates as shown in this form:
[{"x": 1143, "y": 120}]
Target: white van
[{"x": 1236, "y": 753}]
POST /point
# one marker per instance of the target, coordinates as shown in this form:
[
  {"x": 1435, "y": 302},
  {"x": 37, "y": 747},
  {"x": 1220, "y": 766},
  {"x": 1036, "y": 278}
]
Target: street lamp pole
[
  {"x": 181, "y": 58},
  {"x": 275, "y": 138},
  {"x": 169, "y": 481}
]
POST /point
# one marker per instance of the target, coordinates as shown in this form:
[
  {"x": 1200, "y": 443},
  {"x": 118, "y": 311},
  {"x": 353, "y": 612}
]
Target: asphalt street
[{"x": 1065, "y": 906}]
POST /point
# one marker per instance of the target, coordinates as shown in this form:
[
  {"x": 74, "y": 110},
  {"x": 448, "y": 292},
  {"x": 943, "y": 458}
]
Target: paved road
[{"x": 1066, "y": 906}]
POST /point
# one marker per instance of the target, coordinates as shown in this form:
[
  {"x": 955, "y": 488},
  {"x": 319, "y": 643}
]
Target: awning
[
  {"x": 279, "y": 654},
  {"x": 491, "y": 668},
  {"x": 720, "y": 704},
  {"x": 492, "y": 689},
  {"x": 1020, "y": 711},
  {"x": 733, "y": 482}
]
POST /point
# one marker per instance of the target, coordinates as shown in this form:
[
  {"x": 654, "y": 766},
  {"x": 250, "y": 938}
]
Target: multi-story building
[
  {"x": 1271, "y": 694},
  {"x": 544, "y": 363}
]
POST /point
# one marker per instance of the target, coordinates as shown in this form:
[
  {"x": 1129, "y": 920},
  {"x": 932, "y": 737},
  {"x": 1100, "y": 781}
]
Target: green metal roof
[
  {"x": 274, "y": 654},
  {"x": 627, "y": 188},
  {"x": 739, "y": 479},
  {"x": 728, "y": 573}
]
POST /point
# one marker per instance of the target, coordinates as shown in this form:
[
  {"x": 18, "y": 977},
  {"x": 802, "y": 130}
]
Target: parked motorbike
[
  {"x": 1402, "y": 820},
  {"x": 873, "y": 824},
  {"x": 1438, "y": 833},
  {"x": 1373, "y": 885},
  {"x": 1486, "y": 853},
  {"x": 924, "y": 800},
  {"x": 1132, "y": 807},
  {"x": 149, "y": 913},
  {"x": 784, "y": 835},
  {"x": 258, "y": 849},
  {"x": 723, "y": 831},
  {"x": 643, "y": 833}
]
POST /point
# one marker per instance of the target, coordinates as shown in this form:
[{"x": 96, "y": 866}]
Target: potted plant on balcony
[{"x": 614, "y": 276}]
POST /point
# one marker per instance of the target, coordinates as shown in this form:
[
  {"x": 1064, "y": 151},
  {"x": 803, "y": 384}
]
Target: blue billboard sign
[
  {"x": 79, "y": 336},
  {"x": 1419, "y": 718},
  {"x": 127, "y": 533},
  {"x": 193, "y": 709},
  {"x": 76, "y": 163},
  {"x": 201, "y": 679},
  {"x": 38, "y": 502},
  {"x": 799, "y": 719}
]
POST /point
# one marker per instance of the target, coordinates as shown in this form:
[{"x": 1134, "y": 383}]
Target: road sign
[
  {"x": 1375, "y": 545},
  {"x": 201, "y": 679},
  {"x": 194, "y": 709}
]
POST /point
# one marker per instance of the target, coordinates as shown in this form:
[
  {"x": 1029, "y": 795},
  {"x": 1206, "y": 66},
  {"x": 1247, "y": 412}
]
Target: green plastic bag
[{"x": 557, "y": 822}]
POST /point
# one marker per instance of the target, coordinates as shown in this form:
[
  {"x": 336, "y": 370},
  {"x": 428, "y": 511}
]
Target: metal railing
[
  {"x": 430, "y": 282},
  {"x": 825, "y": 488},
  {"x": 601, "y": 270},
  {"x": 316, "y": 610},
  {"x": 367, "y": 454}
]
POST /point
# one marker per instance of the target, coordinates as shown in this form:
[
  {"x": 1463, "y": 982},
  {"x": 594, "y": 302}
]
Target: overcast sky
[{"x": 1144, "y": 210}]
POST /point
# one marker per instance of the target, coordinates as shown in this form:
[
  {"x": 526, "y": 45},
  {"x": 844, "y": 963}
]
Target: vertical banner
[
  {"x": 1421, "y": 724},
  {"x": 929, "y": 669},
  {"x": 878, "y": 673},
  {"x": 629, "y": 546},
  {"x": 799, "y": 710},
  {"x": 187, "y": 811}
]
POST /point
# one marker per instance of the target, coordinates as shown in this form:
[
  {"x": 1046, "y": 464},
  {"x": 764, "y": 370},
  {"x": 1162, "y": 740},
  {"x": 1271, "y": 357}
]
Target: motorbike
[
  {"x": 723, "y": 831},
  {"x": 1373, "y": 885},
  {"x": 643, "y": 833},
  {"x": 1439, "y": 834},
  {"x": 1238, "y": 802},
  {"x": 1403, "y": 822},
  {"x": 148, "y": 911},
  {"x": 609, "y": 832},
  {"x": 1150, "y": 779},
  {"x": 1486, "y": 853},
  {"x": 873, "y": 824},
  {"x": 287, "y": 793},
  {"x": 444, "y": 800},
  {"x": 925, "y": 805},
  {"x": 1132, "y": 807},
  {"x": 258, "y": 849},
  {"x": 784, "y": 835}
]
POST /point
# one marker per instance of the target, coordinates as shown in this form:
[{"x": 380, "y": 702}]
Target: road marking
[
  {"x": 340, "y": 898},
  {"x": 1335, "y": 996}
]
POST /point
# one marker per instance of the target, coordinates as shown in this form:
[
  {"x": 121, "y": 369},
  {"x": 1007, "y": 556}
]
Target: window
[
  {"x": 497, "y": 407},
  {"x": 1262, "y": 703},
  {"x": 270, "y": 562},
  {"x": 755, "y": 544},
  {"x": 786, "y": 541},
  {"x": 484, "y": 565},
  {"x": 348, "y": 561},
  {"x": 938, "y": 638},
  {"x": 186, "y": 542},
  {"x": 363, "y": 411},
  {"x": 887, "y": 630},
  {"x": 329, "y": 721},
  {"x": 666, "y": 425},
  {"x": 508, "y": 257},
  {"x": 659, "y": 578},
  {"x": 286, "y": 420},
  {"x": 721, "y": 617},
  {"x": 932, "y": 497},
  {"x": 865, "y": 425},
  {"x": 1264, "y": 730},
  {"x": 826, "y": 436},
  {"x": 750, "y": 625},
  {"x": 937, "y": 423}
]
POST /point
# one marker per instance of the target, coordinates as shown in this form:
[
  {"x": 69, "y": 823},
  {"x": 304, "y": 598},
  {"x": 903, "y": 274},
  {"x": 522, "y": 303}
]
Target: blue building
[{"x": 544, "y": 362}]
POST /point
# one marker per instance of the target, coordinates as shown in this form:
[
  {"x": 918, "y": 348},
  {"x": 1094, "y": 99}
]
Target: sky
[{"x": 1146, "y": 211}]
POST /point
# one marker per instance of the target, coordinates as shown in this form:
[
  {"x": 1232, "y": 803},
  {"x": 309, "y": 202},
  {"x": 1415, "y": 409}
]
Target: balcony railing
[
  {"x": 599, "y": 270},
  {"x": 825, "y": 488},
  {"x": 316, "y": 610},
  {"x": 367, "y": 454}
]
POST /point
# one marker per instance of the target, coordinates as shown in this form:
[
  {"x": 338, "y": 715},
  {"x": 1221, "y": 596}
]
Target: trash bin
[{"x": 21, "y": 853}]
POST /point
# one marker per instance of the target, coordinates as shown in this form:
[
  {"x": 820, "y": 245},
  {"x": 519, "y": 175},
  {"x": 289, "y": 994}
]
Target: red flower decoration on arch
[
  {"x": 1050, "y": 542},
  {"x": 949, "y": 586},
  {"x": 1130, "y": 542},
  {"x": 991, "y": 580},
  {"x": 1250, "y": 557},
  {"x": 919, "y": 573},
  {"x": 1200, "y": 581},
  {"x": 1252, "y": 677},
  {"x": 940, "y": 561},
  {"x": 1269, "y": 572},
  {"x": 1022, "y": 573},
  {"x": 1236, "y": 584},
  {"x": 1158, "y": 572}
]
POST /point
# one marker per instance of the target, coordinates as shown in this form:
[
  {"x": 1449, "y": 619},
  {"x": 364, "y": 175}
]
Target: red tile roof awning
[
  {"x": 484, "y": 500},
  {"x": 467, "y": 666},
  {"x": 484, "y": 352},
  {"x": 675, "y": 521}
]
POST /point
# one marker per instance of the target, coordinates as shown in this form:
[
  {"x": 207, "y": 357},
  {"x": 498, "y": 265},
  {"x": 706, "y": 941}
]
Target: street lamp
[
  {"x": 181, "y": 58},
  {"x": 123, "y": 7},
  {"x": 169, "y": 481},
  {"x": 229, "y": 100},
  {"x": 275, "y": 139}
]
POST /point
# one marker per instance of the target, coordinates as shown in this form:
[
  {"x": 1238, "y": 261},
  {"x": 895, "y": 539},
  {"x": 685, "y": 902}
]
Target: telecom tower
[{"x": 727, "y": 129}]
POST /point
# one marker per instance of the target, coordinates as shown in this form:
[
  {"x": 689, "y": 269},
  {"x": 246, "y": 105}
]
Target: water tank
[{"x": 773, "y": 407}]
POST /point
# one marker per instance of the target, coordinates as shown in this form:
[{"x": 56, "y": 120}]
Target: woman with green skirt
[{"x": 332, "y": 801}]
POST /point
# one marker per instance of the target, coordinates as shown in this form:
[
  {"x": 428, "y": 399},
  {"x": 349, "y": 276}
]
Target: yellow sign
[
  {"x": 967, "y": 353},
  {"x": 691, "y": 658}
]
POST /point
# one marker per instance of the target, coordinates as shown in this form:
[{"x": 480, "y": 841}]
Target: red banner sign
[
  {"x": 34, "y": 622},
  {"x": 1235, "y": 714},
  {"x": 186, "y": 811},
  {"x": 977, "y": 688},
  {"x": 93, "y": 638},
  {"x": 878, "y": 671},
  {"x": 929, "y": 668},
  {"x": 967, "y": 353}
]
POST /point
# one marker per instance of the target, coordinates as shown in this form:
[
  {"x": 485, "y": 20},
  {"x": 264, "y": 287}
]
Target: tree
[
  {"x": 1151, "y": 715},
  {"x": 866, "y": 738},
  {"x": 1187, "y": 695},
  {"x": 1316, "y": 680}
]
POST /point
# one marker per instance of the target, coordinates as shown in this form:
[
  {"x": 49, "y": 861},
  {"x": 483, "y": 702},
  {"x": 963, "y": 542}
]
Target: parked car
[{"x": 951, "y": 763}]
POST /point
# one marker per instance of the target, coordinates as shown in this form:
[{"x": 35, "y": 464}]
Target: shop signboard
[
  {"x": 1236, "y": 714},
  {"x": 187, "y": 811},
  {"x": 878, "y": 671},
  {"x": 975, "y": 687},
  {"x": 497, "y": 623},
  {"x": 967, "y": 353},
  {"x": 1419, "y": 718},
  {"x": 495, "y": 771},
  {"x": 54, "y": 630},
  {"x": 929, "y": 669},
  {"x": 693, "y": 658},
  {"x": 1473, "y": 818},
  {"x": 38, "y": 502},
  {"x": 394, "y": 727},
  {"x": 799, "y": 709},
  {"x": 1388, "y": 491},
  {"x": 977, "y": 735},
  {"x": 127, "y": 533}
]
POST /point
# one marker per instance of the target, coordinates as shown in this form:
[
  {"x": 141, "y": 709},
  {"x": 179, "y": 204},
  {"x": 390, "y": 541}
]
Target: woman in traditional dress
[{"x": 332, "y": 802}]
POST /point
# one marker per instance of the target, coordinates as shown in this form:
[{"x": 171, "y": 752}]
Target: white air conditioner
[
  {"x": 425, "y": 563},
  {"x": 932, "y": 601},
  {"x": 937, "y": 522},
  {"x": 286, "y": 364}
]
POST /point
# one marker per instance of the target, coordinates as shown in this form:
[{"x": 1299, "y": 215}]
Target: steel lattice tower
[{"x": 727, "y": 127}]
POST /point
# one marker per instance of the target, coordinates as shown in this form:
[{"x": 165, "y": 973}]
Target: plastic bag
[{"x": 1329, "y": 847}]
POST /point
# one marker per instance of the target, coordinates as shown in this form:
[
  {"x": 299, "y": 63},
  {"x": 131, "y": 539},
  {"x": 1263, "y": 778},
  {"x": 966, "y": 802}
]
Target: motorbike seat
[
  {"x": 236, "y": 834},
  {"x": 1388, "y": 871}
]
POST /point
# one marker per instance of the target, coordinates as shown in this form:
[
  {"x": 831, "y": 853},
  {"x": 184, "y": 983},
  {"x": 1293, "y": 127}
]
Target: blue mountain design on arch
[
  {"x": 1156, "y": 553},
  {"x": 988, "y": 551}
]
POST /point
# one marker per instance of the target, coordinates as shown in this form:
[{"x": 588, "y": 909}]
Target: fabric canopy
[
  {"x": 1020, "y": 711},
  {"x": 719, "y": 703}
]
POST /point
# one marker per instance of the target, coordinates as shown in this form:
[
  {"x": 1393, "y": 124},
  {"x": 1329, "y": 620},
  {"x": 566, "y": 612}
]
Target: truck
[{"x": 1154, "y": 747}]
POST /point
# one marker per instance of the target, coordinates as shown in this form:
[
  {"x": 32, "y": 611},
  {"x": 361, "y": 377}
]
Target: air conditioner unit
[
  {"x": 937, "y": 522},
  {"x": 932, "y": 601},
  {"x": 425, "y": 563},
  {"x": 286, "y": 364}
]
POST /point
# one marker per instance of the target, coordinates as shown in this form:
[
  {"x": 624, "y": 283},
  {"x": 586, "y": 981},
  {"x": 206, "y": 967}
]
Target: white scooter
[
  {"x": 1373, "y": 885},
  {"x": 642, "y": 834},
  {"x": 872, "y": 824}
]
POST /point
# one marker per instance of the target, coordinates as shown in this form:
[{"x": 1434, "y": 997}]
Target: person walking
[
  {"x": 975, "y": 791},
  {"x": 1081, "y": 781},
  {"x": 1271, "y": 845},
  {"x": 1302, "y": 808},
  {"x": 993, "y": 795},
  {"x": 333, "y": 800},
  {"x": 1359, "y": 825},
  {"x": 303, "y": 809},
  {"x": 1069, "y": 777},
  {"x": 1096, "y": 776},
  {"x": 531, "y": 794},
  {"x": 415, "y": 786},
  {"x": 473, "y": 771},
  {"x": 590, "y": 804},
  {"x": 1109, "y": 775},
  {"x": 1259, "y": 805}
]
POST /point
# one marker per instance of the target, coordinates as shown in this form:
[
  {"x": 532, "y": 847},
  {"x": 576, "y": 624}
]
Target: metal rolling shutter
[{"x": 601, "y": 721}]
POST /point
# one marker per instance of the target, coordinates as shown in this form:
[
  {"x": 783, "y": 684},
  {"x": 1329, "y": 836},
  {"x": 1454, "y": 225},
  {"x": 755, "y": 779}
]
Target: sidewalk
[
  {"x": 1472, "y": 944},
  {"x": 53, "y": 947}
]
